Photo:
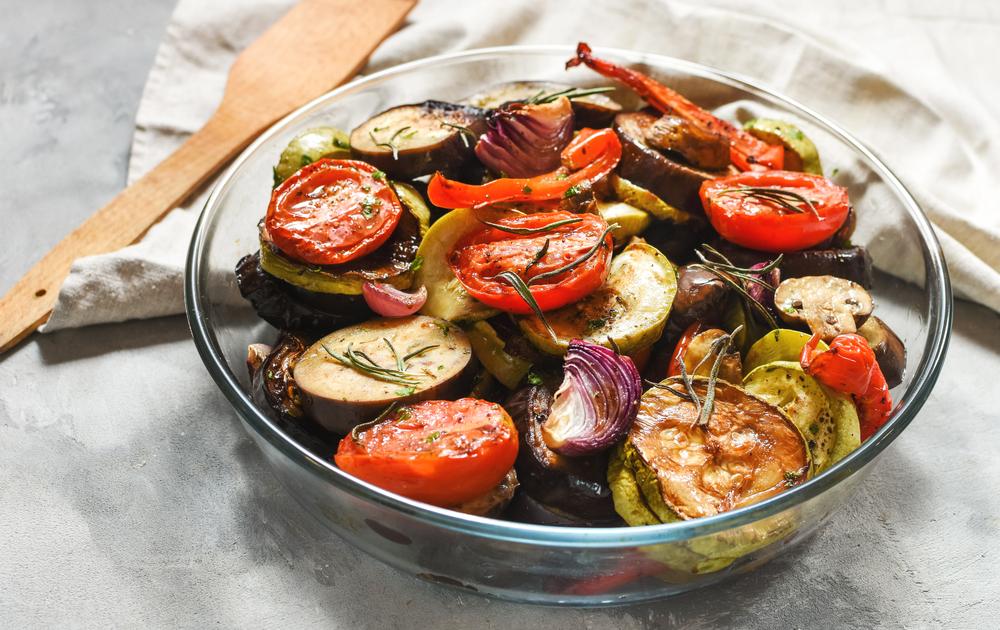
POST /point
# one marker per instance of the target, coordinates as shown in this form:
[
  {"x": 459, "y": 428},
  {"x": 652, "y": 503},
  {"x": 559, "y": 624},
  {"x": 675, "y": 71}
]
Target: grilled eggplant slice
[
  {"x": 285, "y": 307},
  {"x": 626, "y": 191},
  {"x": 631, "y": 308},
  {"x": 828, "y": 420},
  {"x": 593, "y": 110},
  {"x": 571, "y": 486},
  {"x": 701, "y": 148},
  {"x": 747, "y": 452},
  {"x": 272, "y": 378},
  {"x": 675, "y": 183},
  {"x": 852, "y": 263},
  {"x": 889, "y": 349},
  {"x": 339, "y": 396},
  {"x": 410, "y": 141}
]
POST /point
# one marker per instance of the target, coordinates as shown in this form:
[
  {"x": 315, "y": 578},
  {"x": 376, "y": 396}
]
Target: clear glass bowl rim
[{"x": 938, "y": 288}]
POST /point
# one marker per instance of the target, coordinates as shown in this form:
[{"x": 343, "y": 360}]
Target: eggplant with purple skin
[
  {"x": 572, "y": 486},
  {"x": 849, "y": 263},
  {"x": 675, "y": 183},
  {"x": 287, "y": 307},
  {"x": 890, "y": 353},
  {"x": 700, "y": 147},
  {"x": 410, "y": 141}
]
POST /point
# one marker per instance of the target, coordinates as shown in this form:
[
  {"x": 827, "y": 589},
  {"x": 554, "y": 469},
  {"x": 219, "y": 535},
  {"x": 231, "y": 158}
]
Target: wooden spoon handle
[{"x": 121, "y": 222}]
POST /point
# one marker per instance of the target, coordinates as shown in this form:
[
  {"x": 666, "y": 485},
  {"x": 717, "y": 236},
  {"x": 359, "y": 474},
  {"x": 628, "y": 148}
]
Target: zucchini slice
[
  {"x": 446, "y": 297},
  {"x": 631, "y": 308},
  {"x": 747, "y": 452},
  {"x": 643, "y": 199},
  {"x": 800, "y": 152},
  {"x": 781, "y": 344},
  {"x": 828, "y": 420},
  {"x": 489, "y": 349},
  {"x": 631, "y": 220},
  {"x": 309, "y": 146},
  {"x": 392, "y": 263}
]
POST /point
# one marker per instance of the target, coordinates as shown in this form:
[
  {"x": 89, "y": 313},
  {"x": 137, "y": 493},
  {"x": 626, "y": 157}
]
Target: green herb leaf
[
  {"x": 579, "y": 261},
  {"x": 534, "y": 379},
  {"x": 525, "y": 231},
  {"x": 522, "y": 290}
]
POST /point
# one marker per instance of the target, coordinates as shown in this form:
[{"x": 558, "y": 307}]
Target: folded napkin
[{"x": 885, "y": 78}]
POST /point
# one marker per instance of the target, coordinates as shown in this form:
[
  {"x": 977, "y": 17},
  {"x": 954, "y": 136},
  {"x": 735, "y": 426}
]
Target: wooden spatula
[{"x": 314, "y": 47}]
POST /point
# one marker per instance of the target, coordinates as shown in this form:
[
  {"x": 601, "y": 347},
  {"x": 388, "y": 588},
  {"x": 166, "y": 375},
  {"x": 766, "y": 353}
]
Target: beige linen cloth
[{"x": 882, "y": 72}]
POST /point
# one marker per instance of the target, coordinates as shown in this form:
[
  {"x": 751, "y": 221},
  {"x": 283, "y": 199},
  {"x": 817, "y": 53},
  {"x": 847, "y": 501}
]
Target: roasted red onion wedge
[
  {"x": 388, "y": 301},
  {"x": 526, "y": 140},
  {"x": 596, "y": 403}
]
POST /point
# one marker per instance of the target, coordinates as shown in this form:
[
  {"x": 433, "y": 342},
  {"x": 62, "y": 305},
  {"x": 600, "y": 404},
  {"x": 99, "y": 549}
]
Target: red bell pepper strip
[
  {"x": 849, "y": 366},
  {"x": 591, "y": 155},
  {"x": 746, "y": 151}
]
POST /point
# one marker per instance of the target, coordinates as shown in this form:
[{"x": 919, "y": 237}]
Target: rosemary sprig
[
  {"x": 391, "y": 144},
  {"x": 739, "y": 279},
  {"x": 464, "y": 132},
  {"x": 417, "y": 353},
  {"x": 364, "y": 426},
  {"x": 360, "y": 361},
  {"x": 785, "y": 199},
  {"x": 542, "y": 97},
  {"x": 538, "y": 256},
  {"x": 579, "y": 261},
  {"x": 718, "y": 351},
  {"x": 526, "y": 231},
  {"x": 395, "y": 355},
  {"x": 522, "y": 289}
]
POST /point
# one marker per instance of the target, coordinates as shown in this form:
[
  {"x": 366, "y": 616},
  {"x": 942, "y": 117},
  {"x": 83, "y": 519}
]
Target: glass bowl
[{"x": 547, "y": 564}]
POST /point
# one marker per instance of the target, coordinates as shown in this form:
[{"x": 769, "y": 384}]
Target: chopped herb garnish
[
  {"x": 534, "y": 379},
  {"x": 305, "y": 160},
  {"x": 526, "y": 190},
  {"x": 370, "y": 206},
  {"x": 571, "y": 191},
  {"x": 275, "y": 177},
  {"x": 835, "y": 172},
  {"x": 562, "y": 176},
  {"x": 405, "y": 391},
  {"x": 596, "y": 323},
  {"x": 417, "y": 263},
  {"x": 433, "y": 436},
  {"x": 378, "y": 176}
]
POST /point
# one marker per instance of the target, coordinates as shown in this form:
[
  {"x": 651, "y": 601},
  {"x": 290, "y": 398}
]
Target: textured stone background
[{"x": 126, "y": 501}]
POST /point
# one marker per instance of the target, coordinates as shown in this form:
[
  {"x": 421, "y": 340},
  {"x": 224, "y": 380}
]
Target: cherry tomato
[
  {"x": 743, "y": 209},
  {"x": 849, "y": 367},
  {"x": 746, "y": 152},
  {"x": 591, "y": 155},
  {"x": 478, "y": 259},
  {"x": 332, "y": 211},
  {"x": 441, "y": 452}
]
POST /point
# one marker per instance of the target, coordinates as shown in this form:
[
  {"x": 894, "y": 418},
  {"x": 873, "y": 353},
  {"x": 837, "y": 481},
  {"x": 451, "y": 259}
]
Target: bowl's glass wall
[{"x": 552, "y": 564}]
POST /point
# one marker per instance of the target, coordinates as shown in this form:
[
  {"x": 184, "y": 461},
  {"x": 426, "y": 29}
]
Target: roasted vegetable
[
  {"x": 441, "y": 452},
  {"x": 701, "y": 297},
  {"x": 746, "y": 152},
  {"x": 596, "y": 403},
  {"x": 309, "y": 146},
  {"x": 641, "y": 198},
  {"x": 495, "y": 501},
  {"x": 631, "y": 221},
  {"x": 674, "y": 183},
  {"x": 272, "y": 374},
  {"x": 284, "y": 307},
  {"x": 571, "y": 486},
  {"x": 588, "y": 158},
  {"x": 414, "y": 140},
  {"x": 800, "y": 152},
  {"x": 446, "y": 297},
  {"x": 392, "y": 263},
  {"x": 694, "y": 352},
  {"x": 630, "y": 309},
  {"x": 591, "y": 107},
  {"x": 488, "y": 347},
  {"x": 700, "y": 147},
  {"x": 849, "y": 367},
  {"x": 747, "y": 452},
  {"x": 388, "y": 301},
  {"x": 826, "y": 418},
  {"x": 775, "y": 211},
  {"x": 852, "y": 263},
  {"x": 888, "y": 348},
  {"x": 781, "y": 344},
  {"x": 526, "y": 140},
  {"x": 352, "y": 374},
  {"x": 829, "y": 306}
]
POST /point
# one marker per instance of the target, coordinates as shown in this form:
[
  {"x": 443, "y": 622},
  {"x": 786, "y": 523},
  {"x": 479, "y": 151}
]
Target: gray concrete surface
[{"x": 125, "y": 503}]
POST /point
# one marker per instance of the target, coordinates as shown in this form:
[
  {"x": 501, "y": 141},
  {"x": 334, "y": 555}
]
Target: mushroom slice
[{"x": 828, "y": 305}]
